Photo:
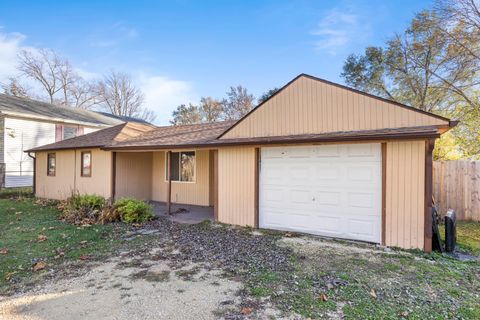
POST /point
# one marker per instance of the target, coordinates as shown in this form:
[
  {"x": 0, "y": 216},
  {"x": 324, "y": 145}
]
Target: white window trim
[{"x": 179, "y": 166}]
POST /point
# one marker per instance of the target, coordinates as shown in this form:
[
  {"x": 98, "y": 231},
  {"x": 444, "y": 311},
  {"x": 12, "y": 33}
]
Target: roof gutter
[{"x": 272, "y": 141}]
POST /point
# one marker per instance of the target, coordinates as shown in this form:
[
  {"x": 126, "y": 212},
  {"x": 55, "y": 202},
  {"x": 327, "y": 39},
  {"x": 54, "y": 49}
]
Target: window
[
  {"x": 63, "y": 132},
  {"x": 86, "y": 164},
  {"x": 69, "y": 132},
  {"x": 51, "y": 164},
  {"x": 183, "y": 166}
]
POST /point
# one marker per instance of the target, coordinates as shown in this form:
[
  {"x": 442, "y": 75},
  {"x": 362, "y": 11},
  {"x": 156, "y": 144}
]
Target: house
[
  {"x": 26, "y": 123},
  {"x": 316, "y": 157}
]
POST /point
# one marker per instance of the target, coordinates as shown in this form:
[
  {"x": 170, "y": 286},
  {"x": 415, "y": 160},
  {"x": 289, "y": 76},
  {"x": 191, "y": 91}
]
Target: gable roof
[
  {"x": 341, "y": 87},
  {"x": 176, "y": 136},
  {"x": 23, "y": 107},
  {"x": 98, "y": 139}
]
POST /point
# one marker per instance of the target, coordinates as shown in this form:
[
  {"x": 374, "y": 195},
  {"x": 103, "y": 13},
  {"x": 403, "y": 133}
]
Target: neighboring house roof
[
  {"x": 124, "y": 118},
  {"x": 23, "y": 107},
  {"x": 98, "y": 138}
]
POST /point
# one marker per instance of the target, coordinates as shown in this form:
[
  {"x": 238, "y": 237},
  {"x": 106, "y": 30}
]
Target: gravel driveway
[
  {"x": 117, "y": 290},
  {"x": 175, "y": 271}
]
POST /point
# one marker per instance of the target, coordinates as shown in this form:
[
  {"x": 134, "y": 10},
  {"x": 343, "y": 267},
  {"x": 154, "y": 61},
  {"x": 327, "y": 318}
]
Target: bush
[
  {"x": 82, "y": 209},
  {"x": 132, "y": 210},
  {"x": 88, "y": 201}
]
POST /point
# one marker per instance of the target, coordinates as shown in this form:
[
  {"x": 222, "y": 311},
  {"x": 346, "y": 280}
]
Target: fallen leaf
[
  {"x": 246, "y": 311},
  {"x": 9, "y": 275},
  {"x": 405, "y": 314},
  {"x": 373, "y": 294},
  {"x": 3, "y": 251},
  {"x": 41, "y": 238},
  {"x": 40, "y": 265},
  {"x": 330, "y": 286},
  {"x": 83, "y": 242},
  {"x": 323, "y": 297},
  {"x": 83, "y": 257}
]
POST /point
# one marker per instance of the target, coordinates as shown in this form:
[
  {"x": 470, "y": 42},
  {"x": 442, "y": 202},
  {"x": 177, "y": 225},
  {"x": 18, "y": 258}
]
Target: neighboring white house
[{"x": 25, "y": 124}]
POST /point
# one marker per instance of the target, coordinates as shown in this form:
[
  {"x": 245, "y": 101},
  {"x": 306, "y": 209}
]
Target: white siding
[
  {"x": 2, "y": 139},
  {"x": 20, "y": 135}
]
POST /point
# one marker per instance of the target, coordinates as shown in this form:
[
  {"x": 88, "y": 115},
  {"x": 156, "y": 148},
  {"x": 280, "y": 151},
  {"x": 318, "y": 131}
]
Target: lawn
[
  {"x": 305, "y": 275},
  {"x": 31, "y": 233}
]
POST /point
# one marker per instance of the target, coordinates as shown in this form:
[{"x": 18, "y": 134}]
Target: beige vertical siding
[
  {"x": 196, "y": 193},
  {"x": 236, "y": 185},
  {"x": 61, "y": 186},
  {"x": 68, "y": 180},
  {"x": 100, "y": 181},
  {"x": 405, "y": 194},
  {"x": 309, "y": 106},
  {"x": 134, "y": 175}
]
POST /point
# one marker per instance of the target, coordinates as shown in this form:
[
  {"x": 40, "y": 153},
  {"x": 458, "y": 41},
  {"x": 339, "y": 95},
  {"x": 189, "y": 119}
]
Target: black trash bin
[{"x": 450, "y": 231}]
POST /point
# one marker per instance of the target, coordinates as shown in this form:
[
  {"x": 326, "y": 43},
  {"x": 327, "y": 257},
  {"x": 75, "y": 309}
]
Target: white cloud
[
  {"x": 10, "y": 46},
  {"x": 163, "y": 95},
  {"x": 113, "y": 36},
  {"x": 338, "y": 29}
]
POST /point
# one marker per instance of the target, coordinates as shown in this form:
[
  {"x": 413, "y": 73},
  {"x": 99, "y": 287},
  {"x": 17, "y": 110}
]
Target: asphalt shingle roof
[
  {"x": 29, "y": 107},
  {"x": 98, "y": 138}
]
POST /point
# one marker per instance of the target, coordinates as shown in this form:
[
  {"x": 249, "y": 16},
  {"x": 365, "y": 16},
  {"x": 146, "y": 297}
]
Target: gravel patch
[{"x": 109, "y": 292}]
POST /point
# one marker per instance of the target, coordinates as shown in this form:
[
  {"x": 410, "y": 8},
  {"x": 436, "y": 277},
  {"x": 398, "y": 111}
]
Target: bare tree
[
  {"x": 14, "y": 88},
  {"x": 210, "y": 109},
  {"x": 118, "y": 95},
  {"x": 186, "y": 115},
  {"x": 45, "y": 67},
  {"x": 82, "y": 94},
  {"x": 238, "y": 103}
]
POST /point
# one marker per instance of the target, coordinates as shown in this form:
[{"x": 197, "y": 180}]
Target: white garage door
[{"x": 329, "y": 190}]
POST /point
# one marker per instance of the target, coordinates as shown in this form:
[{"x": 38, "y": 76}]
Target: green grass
[
  {"x": 406, "y": 284},
  {"x": 23, "y": 221},
  {"x": 23, "y": 192},
  {"x": 468, "y": 236}
]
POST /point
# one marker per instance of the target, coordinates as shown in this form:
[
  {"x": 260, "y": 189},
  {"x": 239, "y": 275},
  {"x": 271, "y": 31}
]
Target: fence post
[{"x": 2, "y": 175}]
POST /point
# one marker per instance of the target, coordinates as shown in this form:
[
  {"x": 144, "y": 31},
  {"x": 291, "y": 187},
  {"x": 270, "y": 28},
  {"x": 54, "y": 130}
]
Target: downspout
[
  {"x": 169, "y": 189},
  {"x": 114, "y": 176},
  {"x": 34, "y": 173}
]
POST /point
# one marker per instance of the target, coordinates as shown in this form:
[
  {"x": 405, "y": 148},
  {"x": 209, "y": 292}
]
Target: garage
[{"x": 331, "y": 190}]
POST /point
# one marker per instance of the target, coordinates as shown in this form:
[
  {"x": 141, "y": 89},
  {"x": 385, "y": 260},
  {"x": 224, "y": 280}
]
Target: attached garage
[
  {"x": 316, "y": 157},
  {"x": 330, "y": 190}
]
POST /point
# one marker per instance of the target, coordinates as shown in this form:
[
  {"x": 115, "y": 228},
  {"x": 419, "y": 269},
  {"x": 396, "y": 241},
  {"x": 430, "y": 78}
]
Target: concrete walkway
[{"x": 184, "y": 213}]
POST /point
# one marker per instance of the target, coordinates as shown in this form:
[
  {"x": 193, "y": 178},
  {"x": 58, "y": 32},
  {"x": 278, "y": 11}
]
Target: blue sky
[{"x": 178, "y": 51}]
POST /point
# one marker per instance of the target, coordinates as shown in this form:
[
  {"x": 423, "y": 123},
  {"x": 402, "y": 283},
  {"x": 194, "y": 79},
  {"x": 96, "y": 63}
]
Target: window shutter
[
  {"x": 79, "y": 131},
  {"x": 58, "y": 132}
]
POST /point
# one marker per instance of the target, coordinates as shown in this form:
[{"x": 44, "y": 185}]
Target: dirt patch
[{"x": 110, "y": 292}]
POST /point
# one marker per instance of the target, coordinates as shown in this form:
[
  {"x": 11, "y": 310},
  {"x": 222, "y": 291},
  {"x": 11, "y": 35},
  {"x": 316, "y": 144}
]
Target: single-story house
[
  {"x": 316, "y": 157},
  {"x": 27, "y": 123}
]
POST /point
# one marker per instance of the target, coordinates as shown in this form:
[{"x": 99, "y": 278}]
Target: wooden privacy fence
[{"x": 456, "y": 185}]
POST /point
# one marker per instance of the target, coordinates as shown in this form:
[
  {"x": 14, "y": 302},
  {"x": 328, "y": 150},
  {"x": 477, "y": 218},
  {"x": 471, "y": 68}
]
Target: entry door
[{"x": 329, "y": 190}]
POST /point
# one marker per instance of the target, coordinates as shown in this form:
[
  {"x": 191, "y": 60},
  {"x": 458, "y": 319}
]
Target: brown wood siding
[
  {"x": 308, "y": 107},
  {"x": 134, "y": 175},
  {"x": 196, "y": 193},
  {"x": 236, "y": 186},
  {"x": 68, "y": 180},
  {"x": 405, "y": 194}
]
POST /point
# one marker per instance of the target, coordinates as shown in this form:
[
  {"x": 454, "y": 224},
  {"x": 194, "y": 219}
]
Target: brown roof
[
  {"x": 183, "y": 135},
  {"x": 191, "y": 139},
  {"x": 98, "y": 138}
]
